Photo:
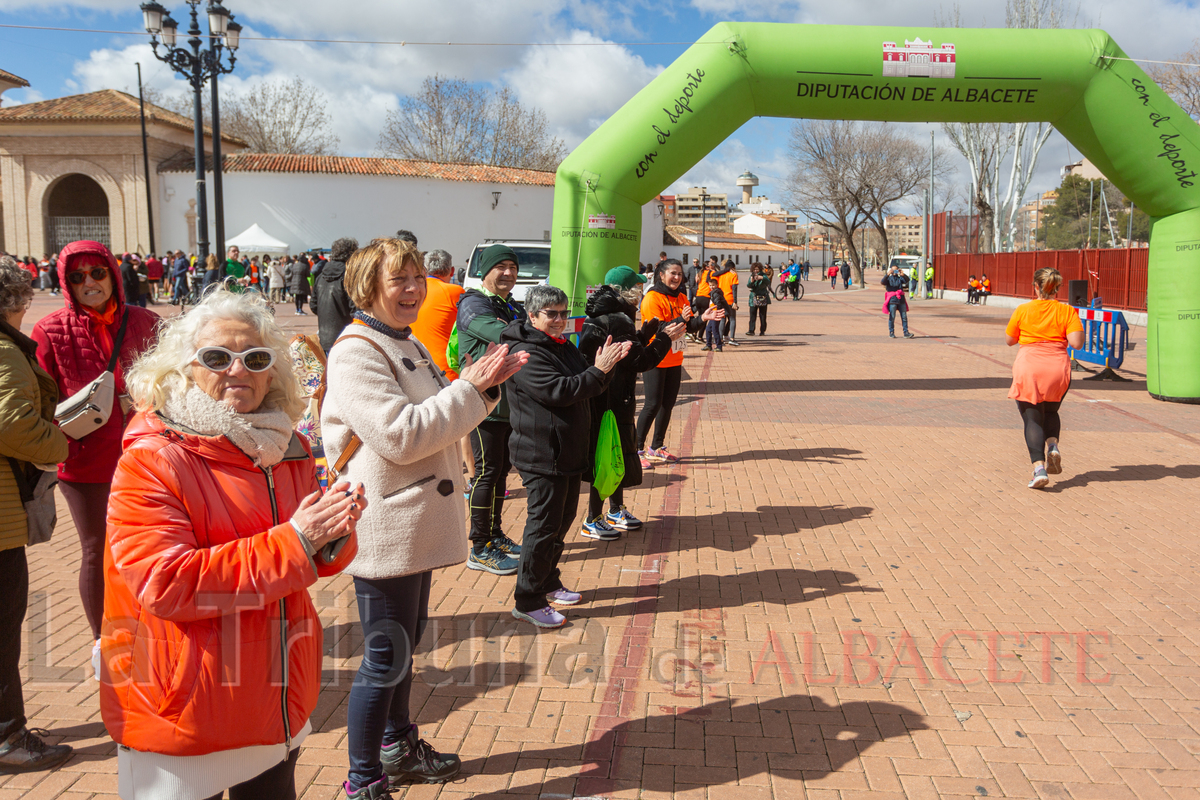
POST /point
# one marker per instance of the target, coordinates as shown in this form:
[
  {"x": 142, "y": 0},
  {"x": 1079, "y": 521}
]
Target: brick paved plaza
[{"x": 844, "y": 590}]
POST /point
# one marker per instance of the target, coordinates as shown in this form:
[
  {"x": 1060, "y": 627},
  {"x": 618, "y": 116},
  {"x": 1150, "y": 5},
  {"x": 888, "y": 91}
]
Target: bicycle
[{"x": 784, "y": 288}]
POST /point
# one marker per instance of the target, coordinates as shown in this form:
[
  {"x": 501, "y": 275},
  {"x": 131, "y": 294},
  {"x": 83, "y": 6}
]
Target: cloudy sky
[{"x": 578, "y": 60}]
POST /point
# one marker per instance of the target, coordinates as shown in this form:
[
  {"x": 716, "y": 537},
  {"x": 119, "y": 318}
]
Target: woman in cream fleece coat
[{"x": 384, "y": 388}]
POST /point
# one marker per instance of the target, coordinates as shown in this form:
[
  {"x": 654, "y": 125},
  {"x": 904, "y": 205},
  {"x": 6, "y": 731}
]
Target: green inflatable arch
[{"x": 1108, "y": 108}]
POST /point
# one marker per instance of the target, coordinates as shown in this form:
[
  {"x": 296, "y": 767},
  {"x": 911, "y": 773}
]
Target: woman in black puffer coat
[
  {"x": 610, "y": 312},
  {"x": 300, "y": 272}
]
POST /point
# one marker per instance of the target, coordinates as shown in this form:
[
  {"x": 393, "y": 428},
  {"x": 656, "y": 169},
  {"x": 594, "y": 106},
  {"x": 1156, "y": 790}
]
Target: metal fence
[
  {"x": 61, "y": 231},
  {"x": 1119, "y": 276}
]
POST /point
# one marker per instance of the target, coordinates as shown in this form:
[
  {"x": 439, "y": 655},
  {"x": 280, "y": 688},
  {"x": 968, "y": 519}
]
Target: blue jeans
[
  {"x": 181, "y": 289},
  {"x": 393, "y": 613},
  {"x": 894, "y": 305},
  {"x": 713, "y": 331}
]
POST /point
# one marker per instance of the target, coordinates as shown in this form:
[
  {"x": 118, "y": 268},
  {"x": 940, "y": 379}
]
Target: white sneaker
[{"x": 96, "y": 660}]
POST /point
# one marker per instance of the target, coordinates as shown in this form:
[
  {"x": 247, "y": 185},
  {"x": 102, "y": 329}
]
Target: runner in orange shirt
[
  {"x": 440, "y": 309},
  {"x": 1042, "y": 370}
]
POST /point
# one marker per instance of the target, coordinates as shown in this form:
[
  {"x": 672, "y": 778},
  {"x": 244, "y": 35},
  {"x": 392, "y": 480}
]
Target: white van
[
  {"x": 905, "y": 263},
  {"x": 533, "y": 257}
]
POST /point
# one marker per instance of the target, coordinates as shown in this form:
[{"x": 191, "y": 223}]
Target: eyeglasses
[
  {"x": 564, "y": 314},
  {"x": 98, "y": 274},
  {"x": 219, "y": 359}
]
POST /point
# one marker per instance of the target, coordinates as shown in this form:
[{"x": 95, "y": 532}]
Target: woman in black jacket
[
  {"x": 610, "y": 313},
  {"x": 300, "y": 272},
  {"x": 550, "y": 415}
]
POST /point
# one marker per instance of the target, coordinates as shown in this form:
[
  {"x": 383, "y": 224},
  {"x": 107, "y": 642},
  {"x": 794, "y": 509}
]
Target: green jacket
[
  {"x": 761, "y": 287},
  {"x": 28, "y": 396},
  {"x": 481, "y": 319}
]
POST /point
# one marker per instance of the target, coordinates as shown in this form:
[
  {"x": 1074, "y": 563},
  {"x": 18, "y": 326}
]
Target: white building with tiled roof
[{"x": 308, "y": 201}]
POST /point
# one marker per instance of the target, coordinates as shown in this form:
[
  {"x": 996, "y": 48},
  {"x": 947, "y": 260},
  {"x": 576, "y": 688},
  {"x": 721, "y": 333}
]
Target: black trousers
[
  {"x": 661, "y": 386},
  {"x": 277, "y": 783},
  {"x": 14, "y": 597},
  {"x": 489, "y": 446},
  {"x": 553, "y": 501},
  {"x": 761, "y": 313},
  {"x": 1041, "y": 423}
]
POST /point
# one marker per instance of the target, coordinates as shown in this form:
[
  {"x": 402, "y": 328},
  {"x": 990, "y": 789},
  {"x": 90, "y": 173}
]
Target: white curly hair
[{"x": 164, "y": 372}]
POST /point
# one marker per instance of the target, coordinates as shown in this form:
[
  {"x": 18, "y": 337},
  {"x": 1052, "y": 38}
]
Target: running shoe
[
  {"x": 1053, "y": 460},
  {"x": 491, "y": 559},
  {"x": 645, "y": 461},
  {"x": 506, "y": 545},
  {"x": 565, "y": 597},
  {"x": 661, "y": 455},
  {"x": 600, "y": 530},
  {"x": 705, "y": 348},
  {"x": 1040, "y": 479},
  {"x": 733, "y": 342},
  {"x": 412, "y": 760},
  {"x": 623, "y": 520},
  {"x": 910, "y": 336},
  {"x": 375, "y": 791},
  {"x": 543, "y": 618}
]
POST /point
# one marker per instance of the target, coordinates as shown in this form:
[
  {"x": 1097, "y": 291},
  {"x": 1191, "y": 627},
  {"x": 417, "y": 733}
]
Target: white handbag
[{"x": 89, "y": 409}]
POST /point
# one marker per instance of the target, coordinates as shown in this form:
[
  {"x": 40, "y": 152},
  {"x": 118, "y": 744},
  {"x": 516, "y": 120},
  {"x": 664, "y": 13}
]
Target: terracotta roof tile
[
  {"x": 17, "y": 79},
  {"x": 735, "y": 241},
  {"x": 345, "y": 165},
  {"x": 106, "y": 105}
]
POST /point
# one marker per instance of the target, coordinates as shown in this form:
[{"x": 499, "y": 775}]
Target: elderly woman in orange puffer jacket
[{"x": 211, "y": 647}]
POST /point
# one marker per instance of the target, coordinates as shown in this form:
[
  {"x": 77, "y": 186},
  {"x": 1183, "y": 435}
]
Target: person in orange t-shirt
[
  {"x": 440, "y": 309},
  {"x": 1042, "y": 370}
]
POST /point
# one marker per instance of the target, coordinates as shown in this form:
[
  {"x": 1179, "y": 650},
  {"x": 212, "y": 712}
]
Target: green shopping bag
[{"x": 610, "y": 461}]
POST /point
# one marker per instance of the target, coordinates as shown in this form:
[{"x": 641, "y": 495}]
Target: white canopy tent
[{"x": 255, "y": 240}]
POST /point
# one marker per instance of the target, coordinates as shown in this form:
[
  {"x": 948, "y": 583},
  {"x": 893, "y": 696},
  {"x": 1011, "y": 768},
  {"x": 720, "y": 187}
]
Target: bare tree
[
  {"x": 277, "y": 117},
  {"x": 988, "y": 146},
  {"x": 450, "y": 120},
  {"x": 891, "y": 167},
  {"x": 1181, "y": 82},
  {"x": 281, "y": 117},
  {"x": 825, "y": 184}
]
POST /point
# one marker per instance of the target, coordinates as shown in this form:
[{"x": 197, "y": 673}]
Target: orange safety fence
[{"x": 1117, "y": 276}]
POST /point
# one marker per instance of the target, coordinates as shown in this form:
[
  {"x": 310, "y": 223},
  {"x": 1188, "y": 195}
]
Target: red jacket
[
  {"x": 72, "y": 350},
  {"x": 154, "y": 269},
  {"x": 201, "y": 560}
]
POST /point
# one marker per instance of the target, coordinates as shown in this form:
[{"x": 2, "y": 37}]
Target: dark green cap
[{"x": 493, "y": 255}]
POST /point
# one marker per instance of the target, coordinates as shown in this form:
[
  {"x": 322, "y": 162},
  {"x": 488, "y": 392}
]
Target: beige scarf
[{"x": 262, "y": 435}]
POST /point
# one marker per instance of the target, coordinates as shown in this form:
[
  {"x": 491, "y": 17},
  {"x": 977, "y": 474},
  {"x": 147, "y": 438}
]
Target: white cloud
[{"x": 579, "y": 87}]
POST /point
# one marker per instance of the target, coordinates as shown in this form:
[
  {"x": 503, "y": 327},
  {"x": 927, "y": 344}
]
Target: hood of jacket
[
  {"x": 73, "y": 251},
  {"x": 333, "y": 271},
  {"x": 608, "y": 300}
]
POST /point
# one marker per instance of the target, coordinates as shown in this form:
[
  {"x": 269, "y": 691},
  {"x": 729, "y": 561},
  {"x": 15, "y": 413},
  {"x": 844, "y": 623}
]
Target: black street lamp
[{"x": 197, "y": 66}]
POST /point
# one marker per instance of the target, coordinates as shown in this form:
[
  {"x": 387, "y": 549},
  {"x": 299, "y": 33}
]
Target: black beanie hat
[{"x": 493, "y": 255}]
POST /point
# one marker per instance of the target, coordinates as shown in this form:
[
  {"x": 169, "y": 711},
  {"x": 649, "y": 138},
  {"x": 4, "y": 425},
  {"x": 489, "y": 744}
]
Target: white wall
[{"x": 309, "y": 210}]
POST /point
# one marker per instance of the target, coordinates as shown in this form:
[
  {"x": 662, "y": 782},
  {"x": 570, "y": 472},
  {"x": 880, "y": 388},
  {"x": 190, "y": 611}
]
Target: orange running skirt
[{"x": 1041, "y": 373}]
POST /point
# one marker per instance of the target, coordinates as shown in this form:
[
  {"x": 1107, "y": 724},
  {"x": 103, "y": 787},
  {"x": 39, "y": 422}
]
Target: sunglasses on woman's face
[
  {"x": 97, "y": 274},
  {"x": 555, "y": 314},
  {"x": 219, "y": 359}
]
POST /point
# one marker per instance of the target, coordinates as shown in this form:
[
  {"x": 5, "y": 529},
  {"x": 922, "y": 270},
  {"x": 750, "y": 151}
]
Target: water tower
[{"x": 747, "y": 180}]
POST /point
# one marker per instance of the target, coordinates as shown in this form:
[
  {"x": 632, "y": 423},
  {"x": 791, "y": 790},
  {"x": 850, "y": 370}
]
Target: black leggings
[
  {"x": 662, "y": 390},
  {"x": 1041, "y": 423},
  {"x": 300, "y": 298},
  {"x": 88, "y": 504},
  {"x": 596, "y": 502}
]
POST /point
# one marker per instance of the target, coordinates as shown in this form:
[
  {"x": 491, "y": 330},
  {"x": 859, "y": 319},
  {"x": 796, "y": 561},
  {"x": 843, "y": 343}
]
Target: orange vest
[{"x": 436, "y": 319}]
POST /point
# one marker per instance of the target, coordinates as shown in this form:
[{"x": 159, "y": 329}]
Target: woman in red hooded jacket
[
  {"x": 216, "y": 528},
  {"x": 74, "y": 346}
]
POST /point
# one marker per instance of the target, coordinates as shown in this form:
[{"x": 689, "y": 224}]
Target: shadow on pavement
[
  {"x": 734, "y": 531},
  {"x": 797, "y": 735},
  {"x": 861, "y": 385},
  {"x": 819, "y": 455},
  {"x": 1139, "y": 472},
  {"x": 783, "y": 586}
]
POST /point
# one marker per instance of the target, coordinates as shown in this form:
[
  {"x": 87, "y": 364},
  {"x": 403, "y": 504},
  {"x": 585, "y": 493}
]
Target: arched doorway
[{"x": 76, "y": 208}]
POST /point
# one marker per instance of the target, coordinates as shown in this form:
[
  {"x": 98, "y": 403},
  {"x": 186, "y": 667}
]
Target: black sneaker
[
  {"x": 412, "y": 760},
  {"x": 24, "y": 751},
  {"x": 506, "y": 545},
  {"x": 373, "y": 791}
]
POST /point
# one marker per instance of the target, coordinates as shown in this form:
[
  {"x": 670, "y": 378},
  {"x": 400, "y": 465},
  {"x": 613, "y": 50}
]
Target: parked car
[{"x": 534, "y": 270}]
